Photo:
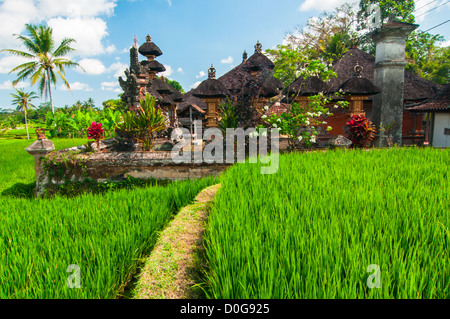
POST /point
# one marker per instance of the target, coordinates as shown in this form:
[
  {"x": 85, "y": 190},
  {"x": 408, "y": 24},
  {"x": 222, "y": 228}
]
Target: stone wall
[{"x": 75, "y": 165}]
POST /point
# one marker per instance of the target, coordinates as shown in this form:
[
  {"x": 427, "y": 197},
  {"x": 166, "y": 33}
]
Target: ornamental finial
[
  {"x": 357, "y": 70},
  {"x": 212, "y": 72},
  {"x": 149, "y": 38},
  {"x": 258, "y": 47}
]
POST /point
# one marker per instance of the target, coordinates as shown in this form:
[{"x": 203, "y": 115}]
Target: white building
[{"x": 438, "y": 118}]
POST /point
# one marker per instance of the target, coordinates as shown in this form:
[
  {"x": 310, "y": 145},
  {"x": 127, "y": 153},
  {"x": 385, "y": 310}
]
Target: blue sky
[{"x": 191, "y": 33}]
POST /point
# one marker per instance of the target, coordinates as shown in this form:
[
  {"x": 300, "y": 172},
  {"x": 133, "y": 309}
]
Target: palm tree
[
  {"x": 23, "y": 102},
  {"x": 44, "y": 62}
]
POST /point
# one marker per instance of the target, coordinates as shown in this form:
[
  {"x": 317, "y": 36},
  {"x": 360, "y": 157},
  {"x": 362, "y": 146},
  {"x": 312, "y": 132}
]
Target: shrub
[{"x": 360, "y": 131}]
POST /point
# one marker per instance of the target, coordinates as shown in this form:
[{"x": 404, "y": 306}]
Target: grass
[
  {"x": 312, "y": 229},
  {"x": 106, "y": 236},
  {"x": 18, "y": 166}
]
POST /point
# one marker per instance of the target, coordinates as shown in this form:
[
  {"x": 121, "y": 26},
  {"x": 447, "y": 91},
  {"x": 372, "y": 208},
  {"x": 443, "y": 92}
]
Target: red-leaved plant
[
  {"x": 360, "y": 131},
  {"x": 95, "y": 132}
]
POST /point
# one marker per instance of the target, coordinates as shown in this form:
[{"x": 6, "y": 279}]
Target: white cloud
[
  {"x": 109, "y": 86},
  {"x": 194, "y": 86},
  {"x": 308, "y": 5},
  {"x": 87, "y": 32},
  {"x": 228, "y": 60},
  {"x": 77, "y": 8},
  {"x": 169, "y": 2},
  {"x": 76, "y": 86},
  {"x": 111, "y": 48},
  {"x": 180, "y": 70},
  {"x": 445, "y": 44},
  {"x": 78, "y": 19},
  {"x": 14, "y": 14},
  {"x": 91, "y": 66},
  {"x": 9, "y": 62},
  {"x": 168, "y": 72},
  {"x": 119, "y": 68},
  {"x": 7, "y": 85},
  {"x": 201, "y": 74}
]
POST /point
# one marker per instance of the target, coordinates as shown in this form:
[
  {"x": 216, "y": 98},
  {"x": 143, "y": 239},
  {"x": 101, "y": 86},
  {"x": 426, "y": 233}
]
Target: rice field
[
  {"x": 335, "y": 224},
  {"x": 87, "y": 246}
]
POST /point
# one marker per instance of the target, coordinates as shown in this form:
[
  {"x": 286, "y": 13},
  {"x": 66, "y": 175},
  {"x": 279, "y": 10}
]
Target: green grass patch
[
  {"x": 312, "y": 229},
  {"x": 105, "y": 234}
]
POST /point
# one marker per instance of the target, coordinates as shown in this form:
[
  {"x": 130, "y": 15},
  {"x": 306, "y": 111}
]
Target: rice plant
[
  {"x": 104, "y": 236},
  {"x": 314, "y": 229}
]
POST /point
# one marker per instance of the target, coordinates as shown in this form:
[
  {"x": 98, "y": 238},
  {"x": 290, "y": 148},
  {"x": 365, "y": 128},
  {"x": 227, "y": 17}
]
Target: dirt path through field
[{"x": 174, "y": 266}]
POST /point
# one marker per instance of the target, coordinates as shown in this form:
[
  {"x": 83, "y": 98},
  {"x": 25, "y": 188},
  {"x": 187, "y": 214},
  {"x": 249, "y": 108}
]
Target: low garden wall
[{"x": 76, "y": 165}]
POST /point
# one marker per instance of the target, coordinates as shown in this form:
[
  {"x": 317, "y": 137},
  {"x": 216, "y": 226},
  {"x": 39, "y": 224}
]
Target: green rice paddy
[{"x": 313, "y": 229}]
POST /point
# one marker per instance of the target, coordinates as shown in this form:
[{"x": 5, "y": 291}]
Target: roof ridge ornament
[
  {"x": 258, "y": 47},
  {"x": 357, "y": 70},
  {"x": 148, "y": 38},
  {"x": 212, "y": 72}
]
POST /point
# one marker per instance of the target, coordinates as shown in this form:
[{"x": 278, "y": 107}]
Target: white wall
[{"x": 441, "y": 122}]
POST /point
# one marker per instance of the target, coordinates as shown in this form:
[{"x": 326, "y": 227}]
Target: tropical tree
[
  {"x": 23, "y": 100},
  {"x": 46, "y": 62}
]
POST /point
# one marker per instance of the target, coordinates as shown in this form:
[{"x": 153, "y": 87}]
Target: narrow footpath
[{"x": 175, "y": 264}]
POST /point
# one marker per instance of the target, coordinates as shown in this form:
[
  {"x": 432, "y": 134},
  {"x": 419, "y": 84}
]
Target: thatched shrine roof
[
  {"x": 438, "y": 103},
  {"x": 153, "y": 66},
  {"x": 258, "y": 62},
  {"x": 358, "y": 85},
  {"x": 269, "y": 87},
  {"x": 211, "y": 87},
  {"x": 190, "y": 100},
  {"x": 306, "y": 87},
  {"x": 149, "y": 48},
  {"x": 415, "y": 87}
]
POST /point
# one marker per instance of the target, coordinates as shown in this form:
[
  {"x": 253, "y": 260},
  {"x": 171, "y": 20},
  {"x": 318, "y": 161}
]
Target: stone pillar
[
  {"x": 389, "y": 76},
  {"x": 39, "y": 149}
]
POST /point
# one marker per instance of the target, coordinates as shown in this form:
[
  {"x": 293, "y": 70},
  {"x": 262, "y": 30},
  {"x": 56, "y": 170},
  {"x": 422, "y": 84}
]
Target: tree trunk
[
  {"x": 50, "y": 91},
  {"x": 26, "y": 122}
]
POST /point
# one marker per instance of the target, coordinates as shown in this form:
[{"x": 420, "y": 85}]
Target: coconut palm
[
  {"x": 22, "y": 100},
  {"x": 44, "y": 61}
]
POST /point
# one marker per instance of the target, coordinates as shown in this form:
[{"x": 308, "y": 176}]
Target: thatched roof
[
  {"x": 415, "y": 87},
  {"x": 235, "y": 79},
  {"x": 306, "y": 87},
  {"x": 438, "y": 103},
  {"x": 258, "y": 62},
  {"x": 359, "y": 86},
  {"x": 267, "y": 87},
  {"x": 153, "y": 66},
  {"x": 190, "y": 100},
  {"x": 149, "y": 48},
  {"x": 211, "y": 88}
]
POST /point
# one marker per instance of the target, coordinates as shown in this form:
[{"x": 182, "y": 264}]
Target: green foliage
[
  {"x": 64, "y": 123},
  {"x": 426, "y": 58},
  {"x": 401, "y": 10},
  {"x": 176, "y": 85},
  {"x": 228, "y": 116},
  {"x": 141, "y": 125},
  {"x": 115, "y": 105},
  {"x": 311, "y": 230},
  {"x": 328, "y": 36}
]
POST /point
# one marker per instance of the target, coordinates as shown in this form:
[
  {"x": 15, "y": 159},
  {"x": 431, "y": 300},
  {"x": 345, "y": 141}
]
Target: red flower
[{"x": 95, "y": 131}]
